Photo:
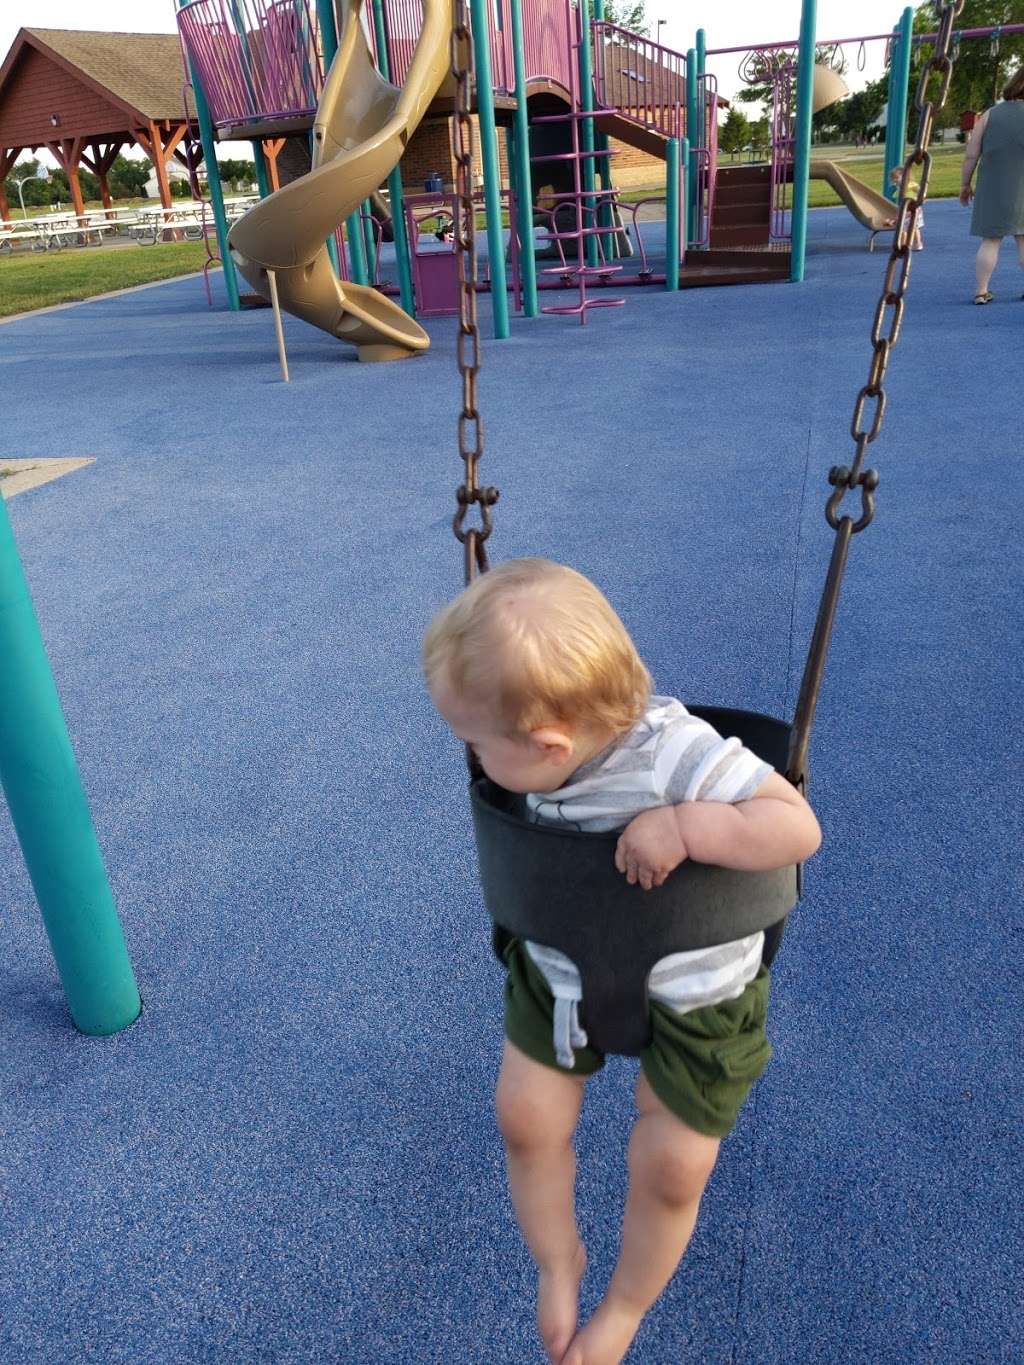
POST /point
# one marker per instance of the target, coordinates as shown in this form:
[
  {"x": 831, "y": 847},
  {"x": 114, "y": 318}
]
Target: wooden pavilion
[{"x": 87, "y": 96}]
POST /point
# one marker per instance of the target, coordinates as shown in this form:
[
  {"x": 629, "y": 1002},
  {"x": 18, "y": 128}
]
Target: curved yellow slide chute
[
  {"x": 871, "y": 209},
  {"x": 362, "y": 126}
]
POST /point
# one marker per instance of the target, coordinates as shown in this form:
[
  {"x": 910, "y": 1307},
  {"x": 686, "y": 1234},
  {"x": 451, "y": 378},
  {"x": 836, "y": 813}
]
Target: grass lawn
[{"x": 32, "y": 279}]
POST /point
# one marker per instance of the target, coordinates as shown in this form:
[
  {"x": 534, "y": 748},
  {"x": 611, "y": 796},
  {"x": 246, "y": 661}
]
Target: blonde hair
[{"x": 541, "y": 643}]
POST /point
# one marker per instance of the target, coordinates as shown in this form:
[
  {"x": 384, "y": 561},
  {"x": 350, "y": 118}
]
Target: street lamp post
[
  {"x": 657, "y": 33},
  {"x": 40, "y": 173}
]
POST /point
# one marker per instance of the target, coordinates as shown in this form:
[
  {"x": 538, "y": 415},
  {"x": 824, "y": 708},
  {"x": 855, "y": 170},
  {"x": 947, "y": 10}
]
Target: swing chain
[
  {"x": 894, "y": 286},
  {"x": 471, "y": 430}
]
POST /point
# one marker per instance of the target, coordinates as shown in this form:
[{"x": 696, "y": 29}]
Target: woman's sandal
[{"x": 986, "y": 297}]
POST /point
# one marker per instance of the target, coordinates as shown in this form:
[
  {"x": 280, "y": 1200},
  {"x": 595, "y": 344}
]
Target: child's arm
[{"x": 774, "y": 828}]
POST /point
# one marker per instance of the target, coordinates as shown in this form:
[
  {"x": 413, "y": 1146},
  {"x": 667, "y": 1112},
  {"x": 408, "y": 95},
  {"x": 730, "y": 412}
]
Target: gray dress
[{"x": 999, "y": 197}]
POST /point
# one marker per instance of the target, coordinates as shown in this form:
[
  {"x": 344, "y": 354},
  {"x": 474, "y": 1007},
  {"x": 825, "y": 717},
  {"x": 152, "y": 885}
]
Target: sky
[{"x": 726, "y": 25}]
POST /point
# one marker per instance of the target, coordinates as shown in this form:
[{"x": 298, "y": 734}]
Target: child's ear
[{"x": 552, "y": 742}]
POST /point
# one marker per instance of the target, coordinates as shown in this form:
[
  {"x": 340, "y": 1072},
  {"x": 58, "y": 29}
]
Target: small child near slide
[
  {"x": 533, "y": 669},
  {"x": 895, "y": 179}
]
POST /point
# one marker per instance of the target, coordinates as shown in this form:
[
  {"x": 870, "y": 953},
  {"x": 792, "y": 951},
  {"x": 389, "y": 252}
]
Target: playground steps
[
  {"x": 634, "y": 134},
  {"x": 718, "y": 267},
  {"x": 743, "y": 202}
]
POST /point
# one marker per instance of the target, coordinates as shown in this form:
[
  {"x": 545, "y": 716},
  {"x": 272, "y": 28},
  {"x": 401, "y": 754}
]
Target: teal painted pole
[
  {"x": 673, "y": 210},
  {"x": 587, "y": 130},
  {"x": 492, "y": 167},
  {"x": 262, "y": 173},
  {"x": 52, "y": 820},
  {"x": 369, "y": 240},
  {"x": 692, "y": 136},
  {"x": 899, "y": 81},
  {"x": 701, "y": 50},
  {"x": 524, "y": 174},
  {"x": 353, "y": 227},
  {"x": 887, "y": 155},
  {"x": 802, "y": 151},
  {"x": 395, "y": 192},
  {"x": 605, "y": 216},
  {"x": 220, "y": 218}
]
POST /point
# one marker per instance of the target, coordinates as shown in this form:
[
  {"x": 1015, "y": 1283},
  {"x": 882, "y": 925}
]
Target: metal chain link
[
  {"x": 865, "y": 429},
  {"x": 471, "y": 428},
  {"x": 869, "y": 406}
]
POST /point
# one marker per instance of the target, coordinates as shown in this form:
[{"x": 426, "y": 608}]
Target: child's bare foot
[
  {"x": 606, "y": 1337},
  {"x": 558, "y": 1297}
]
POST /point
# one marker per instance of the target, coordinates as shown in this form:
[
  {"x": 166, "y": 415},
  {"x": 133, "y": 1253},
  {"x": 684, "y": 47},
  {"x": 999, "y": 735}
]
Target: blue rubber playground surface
[{"x": 291, "y": 1156}]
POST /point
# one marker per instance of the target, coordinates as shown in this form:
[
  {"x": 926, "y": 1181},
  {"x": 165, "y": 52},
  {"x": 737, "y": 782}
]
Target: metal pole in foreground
[
  {"x": 395, "y": 192},
  {"x": 492, "y": 168},
  {"x": 275, "y": 303},
  {"x": 802, "y": 137},
  {"x": 52, "y": 820}
]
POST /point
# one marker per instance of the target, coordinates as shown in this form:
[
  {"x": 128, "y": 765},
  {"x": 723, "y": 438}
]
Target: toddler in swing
[{"x": 533, "y": 669}]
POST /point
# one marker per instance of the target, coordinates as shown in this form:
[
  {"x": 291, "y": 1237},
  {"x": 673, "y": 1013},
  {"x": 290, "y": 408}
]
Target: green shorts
[{"x": 701, "y": 1065}]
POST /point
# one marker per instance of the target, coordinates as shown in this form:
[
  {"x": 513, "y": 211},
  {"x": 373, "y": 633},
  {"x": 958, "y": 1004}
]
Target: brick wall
[{"x": 430, "y": 152}]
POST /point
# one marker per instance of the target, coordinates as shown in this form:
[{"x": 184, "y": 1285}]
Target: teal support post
[
  {"x": 353, "y": 228},
  {"x": 802, "y": 150},
  {"x": 692, "y": 137},
  {"x": 402, "y": 258},
  {"x": 262, "y": 173},
  {"x": 395, "y": 192},
  {"x": 52, "y": 820},
  {"x": 887, "y": 155},
  {"x": 220, "y": 218},
  {"x": 523, "y": 171},
  {"x": 674, "y": 152},
  {"x": 605, "y": 216},
  {"x": 899, "y": 81},
  {"x": 702, "y": 117},
  {"x": 492, "y": 167},
  {"x": 369, "y": 240},
  {"x": 588, "y": 143}
]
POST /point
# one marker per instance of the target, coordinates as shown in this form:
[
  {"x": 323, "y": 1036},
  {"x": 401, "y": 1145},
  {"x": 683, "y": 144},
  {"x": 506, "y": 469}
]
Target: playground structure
[{"x": 263, "y": 69}]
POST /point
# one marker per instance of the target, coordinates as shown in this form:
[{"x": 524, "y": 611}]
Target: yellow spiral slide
[{"x": 362, "y": 127}]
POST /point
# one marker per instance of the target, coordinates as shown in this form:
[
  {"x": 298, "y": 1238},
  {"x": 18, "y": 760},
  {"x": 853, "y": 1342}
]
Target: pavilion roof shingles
[{"x": 144, "y": 70}]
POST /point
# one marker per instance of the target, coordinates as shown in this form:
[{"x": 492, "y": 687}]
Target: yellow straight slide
[
  {"x": 871, "y": 209},
  {"x": 362, "y": 126}
]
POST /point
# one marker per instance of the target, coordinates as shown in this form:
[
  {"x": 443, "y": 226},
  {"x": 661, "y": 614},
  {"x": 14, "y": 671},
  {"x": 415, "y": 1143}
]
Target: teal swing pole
[
  {"x": 353, "y": 224},
  {"x": 899, "y": 81},
  {"x": 52, "y": 820},
  {"x": 395, "y": 192},
  {"x": 492, "y": 167},
  {"x": 802, "y": 151}
]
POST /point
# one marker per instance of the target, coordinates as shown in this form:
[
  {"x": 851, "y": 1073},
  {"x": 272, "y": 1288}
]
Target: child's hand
[{"x": 650, "y": 847}]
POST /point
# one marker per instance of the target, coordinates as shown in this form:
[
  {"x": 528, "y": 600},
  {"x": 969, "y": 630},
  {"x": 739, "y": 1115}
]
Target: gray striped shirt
[{"x": 668, "y": 757}]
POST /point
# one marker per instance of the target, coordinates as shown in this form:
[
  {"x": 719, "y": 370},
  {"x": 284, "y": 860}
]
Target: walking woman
[{"x": 998, "y": 141}]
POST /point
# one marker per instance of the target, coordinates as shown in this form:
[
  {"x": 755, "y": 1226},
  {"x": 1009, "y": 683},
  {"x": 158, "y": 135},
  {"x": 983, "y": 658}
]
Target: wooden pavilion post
[
  {"x": 191, "y": 158},
  {"x": 272, "y": 150},
  {"x": 67, "y": 153},
  {"x": 8, "y": 156},
  {"x": 159, "y": 144}
]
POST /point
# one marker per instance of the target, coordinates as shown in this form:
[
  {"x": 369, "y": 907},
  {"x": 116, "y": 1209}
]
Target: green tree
[
  {"x": 629, "y": 14},
  {"x": 735, "y": 131},
  {"x": 236, "y": 173},
  {"x": 981, "y": 67},
  {"x": 127, "y": 178}
]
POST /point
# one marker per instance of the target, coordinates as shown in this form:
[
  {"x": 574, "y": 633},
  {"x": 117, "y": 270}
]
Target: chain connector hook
[{"x": 843, "y": 479}]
